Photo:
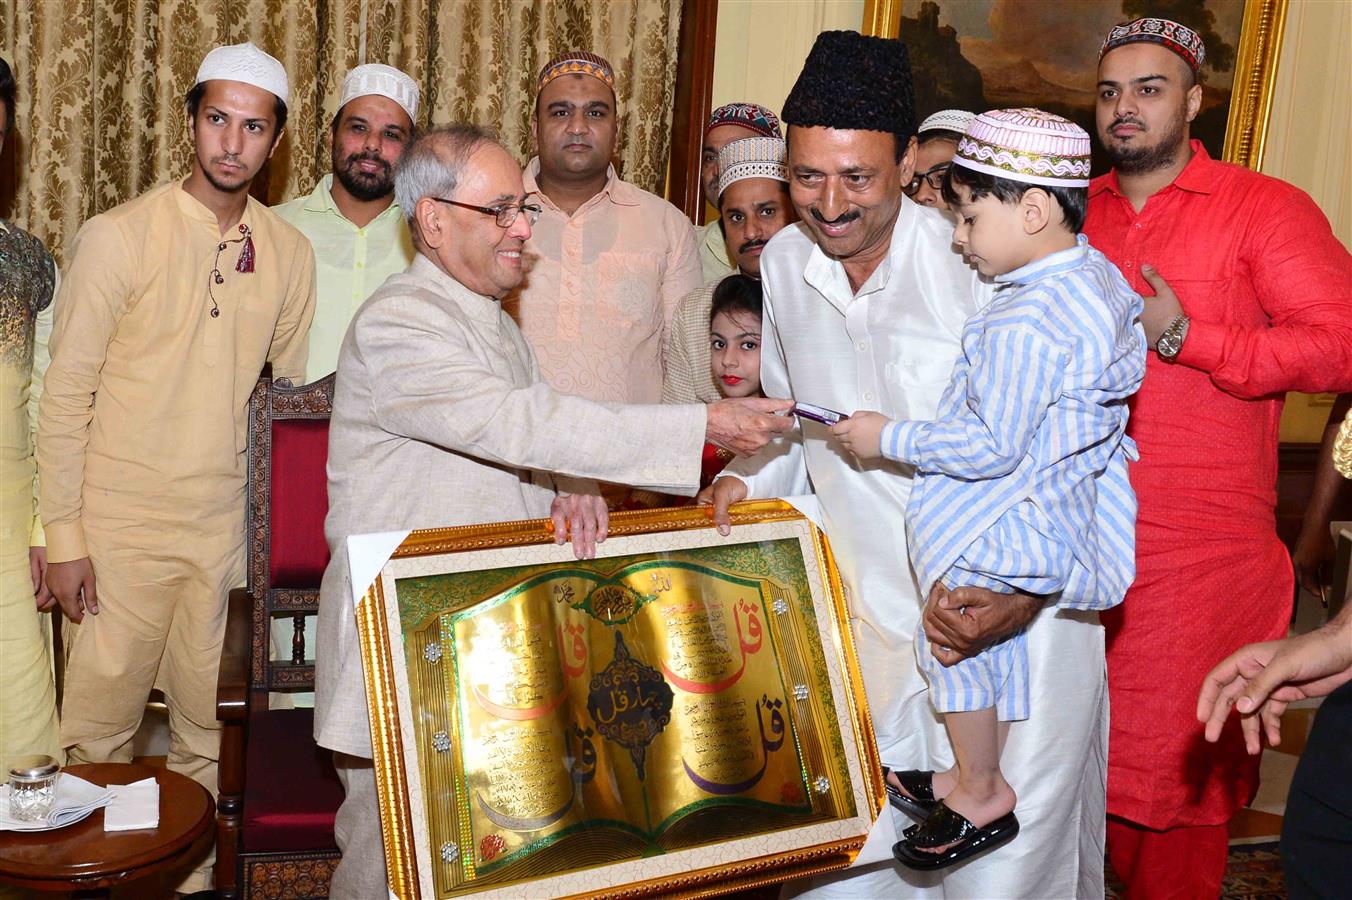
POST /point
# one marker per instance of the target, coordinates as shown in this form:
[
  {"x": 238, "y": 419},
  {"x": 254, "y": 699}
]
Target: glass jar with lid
[{"x": 32, "y": 787}]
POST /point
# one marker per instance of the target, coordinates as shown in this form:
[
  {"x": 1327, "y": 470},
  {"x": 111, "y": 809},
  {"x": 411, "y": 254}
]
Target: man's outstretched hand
[{"x": 746, "y": 424}]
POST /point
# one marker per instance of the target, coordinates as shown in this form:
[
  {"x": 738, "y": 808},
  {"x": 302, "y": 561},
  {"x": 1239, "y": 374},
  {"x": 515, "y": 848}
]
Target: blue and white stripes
[{"x": 1032, "y": 428}]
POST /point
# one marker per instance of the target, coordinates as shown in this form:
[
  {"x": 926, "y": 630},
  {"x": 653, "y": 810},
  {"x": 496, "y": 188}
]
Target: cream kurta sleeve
[
  {"x": 684, "y": 273},
  {"x": 425, "y": 392},
  {"x": 290, "y": 348},
  {"x": 94, "y": 294}
]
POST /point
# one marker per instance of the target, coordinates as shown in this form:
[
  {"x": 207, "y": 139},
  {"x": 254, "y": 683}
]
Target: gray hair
[{"x": 432, "y": 165}]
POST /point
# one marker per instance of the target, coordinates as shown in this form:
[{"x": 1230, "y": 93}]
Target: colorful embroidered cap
[
  {"x": 248, "y": 64},
  {"x": 381, "y": 81},
  {"x": 1171, "y": 35},
  {"x": 576, "y": 62},
  {"x": 947, "y": 120},
  {"x": 757, "y": 157},
  {"x": 1026, "y": 145},
  {"x": 751, "y": 116},
  {"x": 852, "y": 82}
]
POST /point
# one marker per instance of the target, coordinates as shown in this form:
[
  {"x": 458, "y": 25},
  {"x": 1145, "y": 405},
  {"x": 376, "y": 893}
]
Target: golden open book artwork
[{"x": 681, "y": 715}]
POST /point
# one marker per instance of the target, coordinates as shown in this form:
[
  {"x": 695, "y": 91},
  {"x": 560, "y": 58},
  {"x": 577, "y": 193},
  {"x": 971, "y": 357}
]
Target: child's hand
[{"x": 861, "y": 434}]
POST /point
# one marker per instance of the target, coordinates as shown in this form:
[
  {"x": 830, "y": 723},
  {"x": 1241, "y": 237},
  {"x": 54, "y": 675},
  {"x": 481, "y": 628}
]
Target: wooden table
[{"x": 85, "y": 860}]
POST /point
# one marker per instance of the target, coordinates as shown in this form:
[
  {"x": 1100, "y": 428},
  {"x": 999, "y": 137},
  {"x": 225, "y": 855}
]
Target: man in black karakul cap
[{"x": 865, "y": 301}]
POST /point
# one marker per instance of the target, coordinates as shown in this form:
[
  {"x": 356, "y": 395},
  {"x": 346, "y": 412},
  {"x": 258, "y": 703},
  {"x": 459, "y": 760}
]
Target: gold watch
[{"x": 1172, "y": 340}]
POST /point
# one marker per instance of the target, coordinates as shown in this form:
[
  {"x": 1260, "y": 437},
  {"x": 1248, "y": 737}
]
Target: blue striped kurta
[{"x": 1021, "y": 480}]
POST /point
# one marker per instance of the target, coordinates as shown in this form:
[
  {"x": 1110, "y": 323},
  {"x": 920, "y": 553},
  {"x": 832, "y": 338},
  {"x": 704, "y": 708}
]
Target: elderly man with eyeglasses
[{"x": 440, "y": 418}]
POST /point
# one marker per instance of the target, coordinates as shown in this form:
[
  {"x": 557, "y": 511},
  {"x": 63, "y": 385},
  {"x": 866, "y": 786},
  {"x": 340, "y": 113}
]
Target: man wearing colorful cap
[
  {"x": 936, "y": 142},
  {"x": 351, "y": 217},
  {"x": 865, "y": 302},
  {"x": 1248, "y": 295},
  {"x": 170, "y": 306},
  {"x": 608, "y": 262},
  {"x": 753, "y": 194},
  {"x": 730, "y": 122}
]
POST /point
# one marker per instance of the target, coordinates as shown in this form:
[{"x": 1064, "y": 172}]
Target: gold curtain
[{"x": 101, "y": 82}]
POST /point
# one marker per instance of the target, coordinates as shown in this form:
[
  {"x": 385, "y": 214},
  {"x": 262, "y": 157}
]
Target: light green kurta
[{"x": 350, "y": 263}]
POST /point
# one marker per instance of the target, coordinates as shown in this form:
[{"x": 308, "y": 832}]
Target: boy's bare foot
[
  {"x": 942, "y": 783},
  {"x": 980, "y": 804}
]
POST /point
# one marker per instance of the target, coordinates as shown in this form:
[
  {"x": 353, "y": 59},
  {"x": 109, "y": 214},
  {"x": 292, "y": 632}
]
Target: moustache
[
  {"x": 838, "y": 220},
  {"x": 230, "y": 158},
  {"x": 366, "y": 156},
  {"x": 751, "y": 245},
  {"x": 1127, "y": 120}
]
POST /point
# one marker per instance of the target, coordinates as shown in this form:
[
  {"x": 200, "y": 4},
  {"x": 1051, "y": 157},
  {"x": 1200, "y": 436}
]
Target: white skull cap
[
  {"x": 947, "y": 119},
  {"x": 382, "y": 81},
  {"x": 248, "y": 64}
]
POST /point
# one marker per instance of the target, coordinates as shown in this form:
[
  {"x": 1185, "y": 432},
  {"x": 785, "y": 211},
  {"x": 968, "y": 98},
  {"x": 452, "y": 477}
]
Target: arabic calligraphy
[
  {"x": 768, "y": 745},
  {"x": 630, "y": 703}
]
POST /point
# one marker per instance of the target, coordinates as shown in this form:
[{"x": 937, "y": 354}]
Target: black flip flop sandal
[
  {"x": 947, "y": 827},
  {"x": 920, "y": 785}
]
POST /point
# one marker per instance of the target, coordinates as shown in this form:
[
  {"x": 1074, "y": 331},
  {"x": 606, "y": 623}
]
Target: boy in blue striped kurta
[{"x": 1021, "y": 480}]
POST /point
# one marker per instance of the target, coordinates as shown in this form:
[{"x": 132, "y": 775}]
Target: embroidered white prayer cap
[
  {"x": 948, "y": 120},
  {"x": 754, "y": 157},
  {"x": 381, "y": 81},
  {"x": 248, "y": 64}
]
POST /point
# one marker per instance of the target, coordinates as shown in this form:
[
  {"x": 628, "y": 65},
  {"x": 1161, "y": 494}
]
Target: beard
[
  {"x": 241, "y": 182},
  {"x": 1138, "y": 160},
  {"x": 365, "y": 186}
]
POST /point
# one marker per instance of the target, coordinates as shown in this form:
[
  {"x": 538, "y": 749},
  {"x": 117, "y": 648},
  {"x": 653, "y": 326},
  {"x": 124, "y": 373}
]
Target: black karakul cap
[{"x": 854, "y": 82}]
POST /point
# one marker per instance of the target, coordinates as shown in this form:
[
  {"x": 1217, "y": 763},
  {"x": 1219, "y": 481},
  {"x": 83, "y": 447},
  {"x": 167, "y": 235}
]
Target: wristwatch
[{"x": 1172, "y": 340}]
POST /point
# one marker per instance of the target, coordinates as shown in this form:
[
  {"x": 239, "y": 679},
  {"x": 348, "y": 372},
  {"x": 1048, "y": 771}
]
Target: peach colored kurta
[
  {"x": 141, "y": 454},
  {"x": 601, "y": 287}
]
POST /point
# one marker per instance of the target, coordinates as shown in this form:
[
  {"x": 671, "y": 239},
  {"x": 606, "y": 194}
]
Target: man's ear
[
  {"x": 1194, "y": 101},
  {"x": 275, "y": 142},
  {"x": 192, "y": 125},
  {"x": 1035, "y": 208},
  {"x": 427, "y": 215},
  {"x": 907, "y": 164}
]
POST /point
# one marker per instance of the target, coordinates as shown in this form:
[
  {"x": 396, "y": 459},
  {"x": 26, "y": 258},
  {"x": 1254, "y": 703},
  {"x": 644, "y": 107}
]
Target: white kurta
[{"x": 891, "y": 348}]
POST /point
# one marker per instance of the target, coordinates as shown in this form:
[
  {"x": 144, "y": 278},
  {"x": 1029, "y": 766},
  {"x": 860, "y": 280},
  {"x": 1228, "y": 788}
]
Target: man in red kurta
[{"x": 1252, "y": 298}]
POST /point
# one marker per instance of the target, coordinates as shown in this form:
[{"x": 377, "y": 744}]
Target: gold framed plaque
[{"x": 681, "y": 715}]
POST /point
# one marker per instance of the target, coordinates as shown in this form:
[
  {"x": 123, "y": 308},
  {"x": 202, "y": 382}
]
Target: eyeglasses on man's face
[
  {"x": 505, "y": 215},
  {"x": 934, "y": 177}
]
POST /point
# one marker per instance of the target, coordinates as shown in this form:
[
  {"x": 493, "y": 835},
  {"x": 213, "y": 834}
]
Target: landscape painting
[{"x": 987, "y": 54}]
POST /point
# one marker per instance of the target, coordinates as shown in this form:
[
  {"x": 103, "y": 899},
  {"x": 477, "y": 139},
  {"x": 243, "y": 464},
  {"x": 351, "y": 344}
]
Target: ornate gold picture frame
[
  {"x": 683, "y": 714},
  {"x": 971, "y": 53}
]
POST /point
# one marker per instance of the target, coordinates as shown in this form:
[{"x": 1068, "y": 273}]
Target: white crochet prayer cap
[
  {"x": 754, "y": 157},
  {"x": 947, "y": 119},
  {"x": 248, "y": 64},
  {"x": 381, "y": 81}
]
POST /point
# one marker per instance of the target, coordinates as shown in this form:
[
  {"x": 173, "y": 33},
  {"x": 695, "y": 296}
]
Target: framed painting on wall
[
  {"x": 987, "y": 54},
  {"x": 683, "y": 713}
]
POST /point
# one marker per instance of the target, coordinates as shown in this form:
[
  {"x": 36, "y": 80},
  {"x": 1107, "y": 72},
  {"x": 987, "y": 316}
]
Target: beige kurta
[
  {"x": 689, "y": 377},
  {"x": 601, "y": 286},
  {"x": 713, "y": 250},
  {"x": 141, "y": 453},
  {"x": 440, "y": 418}
]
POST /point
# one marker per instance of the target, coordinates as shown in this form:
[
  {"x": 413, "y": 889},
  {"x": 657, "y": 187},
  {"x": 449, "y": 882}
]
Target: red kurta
[{"x": 1269, "y": 291}]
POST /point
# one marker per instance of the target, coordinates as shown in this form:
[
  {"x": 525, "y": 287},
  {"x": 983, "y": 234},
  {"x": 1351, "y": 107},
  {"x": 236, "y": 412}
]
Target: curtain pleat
[{"x": 101, "y": 83}]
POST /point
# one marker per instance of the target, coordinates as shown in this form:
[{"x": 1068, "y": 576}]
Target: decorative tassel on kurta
[{"x": 244, "y": 264}]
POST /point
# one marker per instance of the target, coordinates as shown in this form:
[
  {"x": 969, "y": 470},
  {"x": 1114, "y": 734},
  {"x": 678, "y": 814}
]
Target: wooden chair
[{"x": 278, "y": 790}]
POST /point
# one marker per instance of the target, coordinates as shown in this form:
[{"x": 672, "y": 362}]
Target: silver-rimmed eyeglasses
[{"x": 505, "y": 215}]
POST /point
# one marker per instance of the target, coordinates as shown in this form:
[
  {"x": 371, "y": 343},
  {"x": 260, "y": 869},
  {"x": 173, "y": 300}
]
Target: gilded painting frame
[
  {"x": 504, "y": 561},
  {"x": 1254, "y": 80}
]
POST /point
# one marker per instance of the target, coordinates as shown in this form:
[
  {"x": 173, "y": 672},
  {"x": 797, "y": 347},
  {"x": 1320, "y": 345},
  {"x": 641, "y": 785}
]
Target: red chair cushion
[
  {"x": 300, "y": 500},
  {"x": 291, "y": 792}
]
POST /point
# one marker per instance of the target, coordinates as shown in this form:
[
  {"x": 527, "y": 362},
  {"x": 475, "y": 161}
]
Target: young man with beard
[
  {"x": 1252, "y": 297},
  {"x": 351, "y": 217},
  {"x": 865, "y": 302},
  {"x": 170, "y": 306},
  {"x": 730, "y": 122},
  {"x": 752, "y": 190}
]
